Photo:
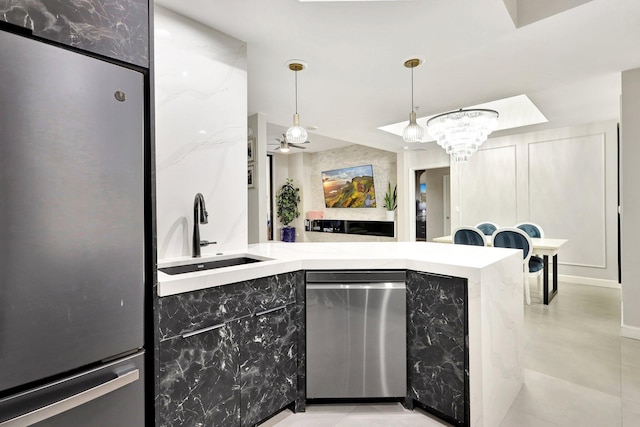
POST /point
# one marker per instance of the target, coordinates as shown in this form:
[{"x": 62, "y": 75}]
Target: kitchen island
[{"x": 493, "y": 306}]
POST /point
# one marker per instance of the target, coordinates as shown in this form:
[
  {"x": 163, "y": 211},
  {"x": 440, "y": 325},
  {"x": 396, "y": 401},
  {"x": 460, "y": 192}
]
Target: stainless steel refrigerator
[{"x": 72, "y": 238}]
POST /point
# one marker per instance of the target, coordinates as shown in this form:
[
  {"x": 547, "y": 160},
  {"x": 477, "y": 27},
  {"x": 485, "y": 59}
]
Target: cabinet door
[
  {"x": 199, "y": 379},
  {"x": 268, "y": 367},
  {"x": 437, "y": 345}
]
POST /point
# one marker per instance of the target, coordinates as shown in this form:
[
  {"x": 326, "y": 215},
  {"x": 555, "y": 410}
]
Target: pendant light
[
  {"x": 413, "y": 132},
  {"x": 296, "y": 134}
]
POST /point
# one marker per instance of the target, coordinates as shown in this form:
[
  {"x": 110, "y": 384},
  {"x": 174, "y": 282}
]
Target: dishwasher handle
[
  {"x": 355, "y": 276},
  {"x": 340, "y": 286}
]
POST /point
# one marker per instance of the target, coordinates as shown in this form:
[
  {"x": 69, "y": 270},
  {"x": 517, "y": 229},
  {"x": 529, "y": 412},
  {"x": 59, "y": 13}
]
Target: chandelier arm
[{"x": 462, "y": 110}]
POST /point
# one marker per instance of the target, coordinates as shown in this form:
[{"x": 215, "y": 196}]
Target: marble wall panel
[
  {"x": 201, "y": 134},
  {"x": 384, "y": 171},
  {"x": 437, "y": 346},
  {"x": 115, "y": 28}
]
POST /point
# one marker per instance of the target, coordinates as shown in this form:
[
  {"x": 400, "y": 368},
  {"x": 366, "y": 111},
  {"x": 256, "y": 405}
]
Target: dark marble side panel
[
  {"x": 268, "y": 364},
  {"x": 115, "y": 28},
  {"x": 301, "y": 326},
  {"x": 191, "y": 311},
  {"x": 199, "y": 377},
  {"x": 437, "y": 344}
]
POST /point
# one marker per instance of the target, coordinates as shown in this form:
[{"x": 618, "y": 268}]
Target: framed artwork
[
  {"x": 349, "y": 187},
  {"x": 250, "y": 176},
  {"x": 251, "y": 149}
]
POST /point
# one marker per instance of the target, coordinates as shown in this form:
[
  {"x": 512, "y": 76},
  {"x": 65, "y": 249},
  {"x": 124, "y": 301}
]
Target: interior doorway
[
  {"x": 432, "y": 204},
  {"x": 269, "y": 180}
]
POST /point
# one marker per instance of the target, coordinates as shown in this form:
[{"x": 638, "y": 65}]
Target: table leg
[
  {"x": 549, "y": 296},
  {"x": 545, "y": 279},
  {"x": 555, "y": 276}
]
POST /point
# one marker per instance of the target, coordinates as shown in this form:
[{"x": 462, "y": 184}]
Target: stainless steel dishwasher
[{"x": 356, "y": 334}]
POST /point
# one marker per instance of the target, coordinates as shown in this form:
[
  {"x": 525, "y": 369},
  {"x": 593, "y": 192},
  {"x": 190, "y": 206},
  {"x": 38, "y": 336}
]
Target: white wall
[
  {"x": 565, "y": 180},
  {"x": 201, "y": 134},
  {"x": 630, "y": 202}
]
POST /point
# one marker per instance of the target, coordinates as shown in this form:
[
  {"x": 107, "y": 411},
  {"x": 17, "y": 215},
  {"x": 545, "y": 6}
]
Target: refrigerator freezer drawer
[{"x": 112, "y": 395}]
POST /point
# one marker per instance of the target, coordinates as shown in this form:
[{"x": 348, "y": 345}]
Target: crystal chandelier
[
  {"x": 461, "y": 132},
  {"x": 413, "y": 132},
  {"x": 296, "y": 134}
]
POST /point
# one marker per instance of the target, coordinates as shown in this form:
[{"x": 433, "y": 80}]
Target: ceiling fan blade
[{"x": 297, "y": 146}]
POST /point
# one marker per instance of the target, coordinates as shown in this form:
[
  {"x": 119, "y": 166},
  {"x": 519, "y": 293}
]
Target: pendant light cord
[
  {"x": 296, "y": 78},
  {"x": 411, "y": 89}
]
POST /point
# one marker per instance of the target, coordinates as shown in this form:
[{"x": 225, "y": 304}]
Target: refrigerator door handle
[{"x": 71, "y": 402}]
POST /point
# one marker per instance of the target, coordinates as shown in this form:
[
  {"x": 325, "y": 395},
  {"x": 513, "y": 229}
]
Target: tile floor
[{"x": 578, "y": 372}]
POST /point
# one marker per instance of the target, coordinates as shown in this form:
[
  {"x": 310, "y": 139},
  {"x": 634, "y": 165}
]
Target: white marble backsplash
[{"x": 201, "y": 110}]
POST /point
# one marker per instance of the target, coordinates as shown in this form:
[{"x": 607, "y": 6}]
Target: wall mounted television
[{"x": 350, "y": 187}]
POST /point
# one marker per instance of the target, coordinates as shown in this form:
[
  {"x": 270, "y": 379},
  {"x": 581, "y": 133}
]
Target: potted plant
[
  {"x": 287, "y": 199},
  {"x": 390, "y": 201}
]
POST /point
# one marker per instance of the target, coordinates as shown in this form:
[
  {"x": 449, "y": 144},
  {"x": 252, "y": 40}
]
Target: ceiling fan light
[
  {"x": 413, "y": 132},
  {"x": 284, "y": 146}
]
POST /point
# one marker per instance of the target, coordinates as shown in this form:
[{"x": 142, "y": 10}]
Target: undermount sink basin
[{"x": 209, "y": 265}]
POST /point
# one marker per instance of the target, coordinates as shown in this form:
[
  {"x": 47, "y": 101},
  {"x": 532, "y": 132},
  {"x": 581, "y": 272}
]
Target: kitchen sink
[{"x": 209, "y": 265}]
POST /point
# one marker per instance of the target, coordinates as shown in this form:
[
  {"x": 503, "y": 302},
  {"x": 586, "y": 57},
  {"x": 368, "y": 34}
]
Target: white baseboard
[
  {"x": 588, "y": 281},
  {"x": 630, "y": 332}
]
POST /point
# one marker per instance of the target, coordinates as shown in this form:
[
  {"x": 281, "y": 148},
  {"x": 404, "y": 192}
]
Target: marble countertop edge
[{"x": 459, "y": 260}]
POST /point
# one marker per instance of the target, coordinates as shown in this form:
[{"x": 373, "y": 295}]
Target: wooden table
[{"x": 545, "y": 247}]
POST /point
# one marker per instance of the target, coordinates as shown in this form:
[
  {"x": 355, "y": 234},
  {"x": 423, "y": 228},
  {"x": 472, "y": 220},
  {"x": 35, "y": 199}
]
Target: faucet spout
[{"x": 200, "y": 216}]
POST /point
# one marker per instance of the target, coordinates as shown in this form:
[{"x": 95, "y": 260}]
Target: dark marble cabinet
[
  {"x": 437, "y": 345},
  {"x": 228, "y": 355},
  {"x": 199, "y": 379},
  {"x": 117, "y": 29},
  {"x": 269, "y": 367}
]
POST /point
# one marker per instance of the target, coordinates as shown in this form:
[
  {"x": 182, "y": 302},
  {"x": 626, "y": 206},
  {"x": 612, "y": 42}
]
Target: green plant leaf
[{"x": 287, "y": 199}]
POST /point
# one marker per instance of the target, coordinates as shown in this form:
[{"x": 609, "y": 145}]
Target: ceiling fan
[{"x": 286, "y": 145}]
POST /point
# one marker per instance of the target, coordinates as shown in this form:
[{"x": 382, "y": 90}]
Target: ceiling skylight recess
[{"x": 515, "y": 111}]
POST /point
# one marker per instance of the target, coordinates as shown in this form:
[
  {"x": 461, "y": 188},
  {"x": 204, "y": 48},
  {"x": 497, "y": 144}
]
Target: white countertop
[{"x": 455, "y": 260}]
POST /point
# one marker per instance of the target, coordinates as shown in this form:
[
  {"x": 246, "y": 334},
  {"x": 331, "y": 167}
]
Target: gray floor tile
[
  {"x": 630, "y": 350},
  {"x": 630, "y": 413},
  {"x": 631, "y": 383},
  {"x": 517, "y": 418},
  {"x": 565, "y": 403}
]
